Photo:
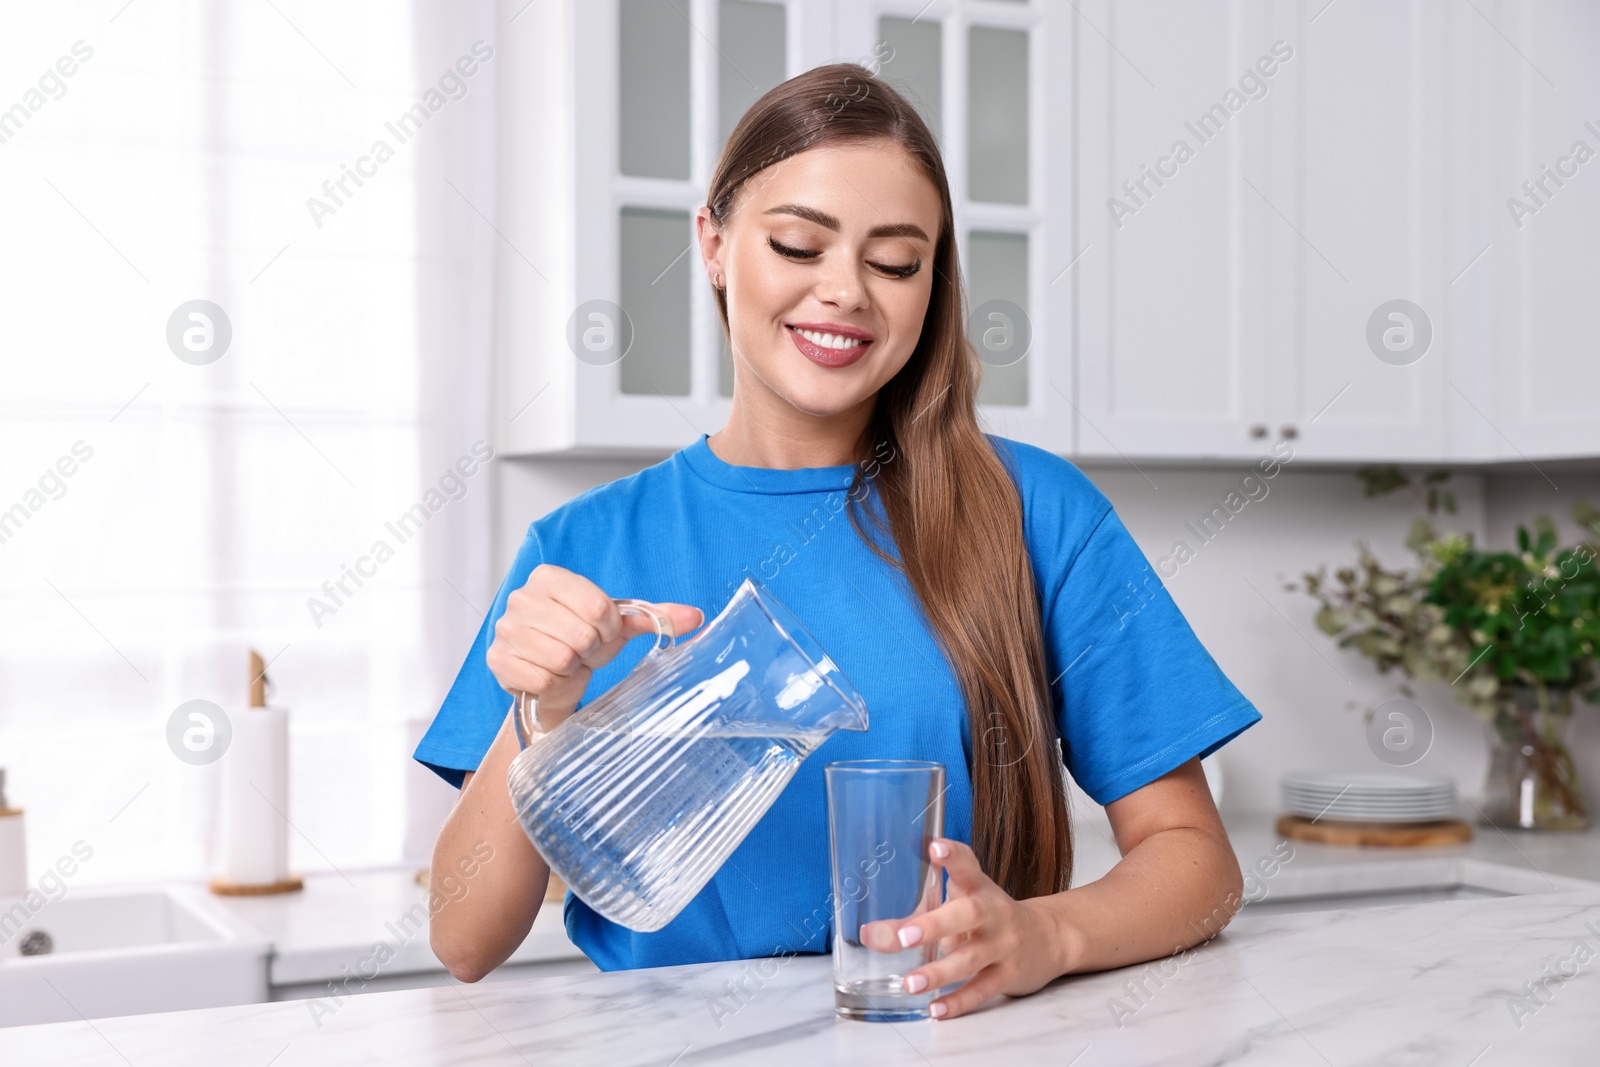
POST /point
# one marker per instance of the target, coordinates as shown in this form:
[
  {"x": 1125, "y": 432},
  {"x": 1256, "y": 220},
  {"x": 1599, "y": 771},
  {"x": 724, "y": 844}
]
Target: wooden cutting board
[{"x": 1386, "y": 834}]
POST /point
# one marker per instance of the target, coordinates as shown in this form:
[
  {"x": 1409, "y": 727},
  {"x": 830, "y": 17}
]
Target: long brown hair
[{"x": 948, "y": 502}]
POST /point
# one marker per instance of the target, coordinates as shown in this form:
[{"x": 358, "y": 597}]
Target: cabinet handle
[
  {"x": 1289, "y": 431},
  {"x": 1258, "y": 430}
]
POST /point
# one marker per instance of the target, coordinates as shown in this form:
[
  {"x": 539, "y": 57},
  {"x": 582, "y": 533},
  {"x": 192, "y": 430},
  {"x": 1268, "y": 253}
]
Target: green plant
[
  {"x": 1485, "y": 622},
  {"x": 1533, "y": 615},
  {"x": 1514, "y": 634}
]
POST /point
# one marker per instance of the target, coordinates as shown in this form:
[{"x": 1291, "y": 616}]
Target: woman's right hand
[{"x": 557, "y": 629}]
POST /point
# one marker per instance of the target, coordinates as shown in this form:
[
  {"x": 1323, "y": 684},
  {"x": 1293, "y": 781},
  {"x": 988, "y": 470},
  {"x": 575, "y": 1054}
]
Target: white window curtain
[{"x": 324, "y": 174}]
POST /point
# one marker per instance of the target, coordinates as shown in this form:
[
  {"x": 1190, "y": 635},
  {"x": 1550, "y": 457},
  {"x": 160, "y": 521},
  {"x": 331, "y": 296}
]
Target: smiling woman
[
  {"x": 845, "y": 241},
  {"x": 965, "y": 600},
  {"x": 875, "y": 270}
]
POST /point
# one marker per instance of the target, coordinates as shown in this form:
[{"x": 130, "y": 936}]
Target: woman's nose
[{"x": 844, "y": 286}]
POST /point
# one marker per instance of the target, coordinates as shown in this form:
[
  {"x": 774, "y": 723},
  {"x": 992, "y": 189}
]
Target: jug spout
[
  {"x": 818, "y": 697},
  {"x": 808, "y": 690}
]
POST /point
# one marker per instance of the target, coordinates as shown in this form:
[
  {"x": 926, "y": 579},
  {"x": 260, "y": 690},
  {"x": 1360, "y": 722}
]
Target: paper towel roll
[
  {"x": 255, "y": 799},
  {"x": 13, "y": 854}
]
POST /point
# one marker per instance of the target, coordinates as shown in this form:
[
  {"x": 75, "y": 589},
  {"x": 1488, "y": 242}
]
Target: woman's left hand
[{"x": 1001, "y": 945}]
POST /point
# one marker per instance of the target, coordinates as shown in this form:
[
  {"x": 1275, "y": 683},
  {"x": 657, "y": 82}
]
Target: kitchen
[{"x": 316, "y": 402}]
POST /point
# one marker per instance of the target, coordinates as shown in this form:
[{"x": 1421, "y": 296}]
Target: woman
[{"x": 977, "y": 596}]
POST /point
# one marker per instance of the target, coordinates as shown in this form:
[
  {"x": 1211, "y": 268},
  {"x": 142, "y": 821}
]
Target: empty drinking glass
[{"x": 881, "y": 816}]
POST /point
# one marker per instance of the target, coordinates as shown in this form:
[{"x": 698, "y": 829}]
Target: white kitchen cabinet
[
  {"x": 1360, "y": 188},
  {"x": 1254, "y": 186},
  {"x": 614, "y": 112},
  {"x": 1536, "y": 211},
  {"x": 1415, "y": 126},
  {"x": 1204, "y": 302},
  {"x": 1174, "y": 285}
]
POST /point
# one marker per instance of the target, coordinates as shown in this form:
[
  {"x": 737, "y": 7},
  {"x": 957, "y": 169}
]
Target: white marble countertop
[
  {"x": 1401, "y": 985},
  {"x": 1551, "y": 860},
  {"x": 1444, "y": 982},
  {"x": 336, "y": 919}
]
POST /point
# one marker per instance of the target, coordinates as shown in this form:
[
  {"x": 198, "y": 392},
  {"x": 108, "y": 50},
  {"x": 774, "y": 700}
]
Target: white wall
[{"x": 1311, "y": 695}]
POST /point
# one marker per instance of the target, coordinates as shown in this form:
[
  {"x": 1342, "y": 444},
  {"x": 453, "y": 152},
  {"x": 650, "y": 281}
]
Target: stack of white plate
[{"x": 1369, "y": 797}]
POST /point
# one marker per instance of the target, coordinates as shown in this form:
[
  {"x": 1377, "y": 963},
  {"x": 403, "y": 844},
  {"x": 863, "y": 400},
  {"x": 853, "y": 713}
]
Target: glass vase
[{"x": 1532, "y": 781}]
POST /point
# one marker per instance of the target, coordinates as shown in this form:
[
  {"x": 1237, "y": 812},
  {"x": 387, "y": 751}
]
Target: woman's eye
[
  {"x": 792, "y": 253},
  {"x": 898, "y": 272},
  {"x": 888, "y": 268}
]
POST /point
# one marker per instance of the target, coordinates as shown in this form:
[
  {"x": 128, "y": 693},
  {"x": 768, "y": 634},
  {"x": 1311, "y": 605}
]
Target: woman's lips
[{"x": 828, "y": 357}]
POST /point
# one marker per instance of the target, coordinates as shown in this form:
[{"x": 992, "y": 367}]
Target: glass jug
[{"x": 640, "y": 796}]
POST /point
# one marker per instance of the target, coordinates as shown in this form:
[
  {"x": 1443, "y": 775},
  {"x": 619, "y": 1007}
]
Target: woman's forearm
[
  {"x": 478, "y": 922},
  {"x": 1176, "y": 888}
]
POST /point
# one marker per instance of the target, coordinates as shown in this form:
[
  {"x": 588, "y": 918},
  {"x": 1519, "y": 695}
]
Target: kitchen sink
[
  {"x": 1415, "y": 881},
  {"x": 124, "y": 952}
]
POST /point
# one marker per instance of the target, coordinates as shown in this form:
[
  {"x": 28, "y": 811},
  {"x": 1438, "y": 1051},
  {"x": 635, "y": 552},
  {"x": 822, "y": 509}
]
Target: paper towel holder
[
  {"x": 5, "y": 808},
  {"x": 292, "y": 883},
  {"x": 13, "y": 847}
]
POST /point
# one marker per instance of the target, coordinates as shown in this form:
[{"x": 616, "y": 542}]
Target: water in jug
[{"x": 640, "y": 796}]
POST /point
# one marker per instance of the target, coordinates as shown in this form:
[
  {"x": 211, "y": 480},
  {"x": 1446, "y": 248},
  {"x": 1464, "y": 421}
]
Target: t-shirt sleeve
[
  {"x": 470, "y": 717},
  {"x": 1136, "y": 692}
]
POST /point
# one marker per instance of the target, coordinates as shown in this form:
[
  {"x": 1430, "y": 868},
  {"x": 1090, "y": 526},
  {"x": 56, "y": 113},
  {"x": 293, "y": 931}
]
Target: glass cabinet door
[
  {"x": 656, "y": 277},
  {"x": 752, "y": 50},
  {"x": 997, "y": 115},
  {"x": 687, "y": 71},
  {"x": 968, "y": 68},
  {"x": 652, "y": 89},
  {"x": 915, "y": 65}
]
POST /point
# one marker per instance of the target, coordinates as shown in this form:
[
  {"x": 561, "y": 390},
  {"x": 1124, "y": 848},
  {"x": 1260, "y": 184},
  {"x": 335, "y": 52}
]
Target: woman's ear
[{"x": 711, "y": 247}]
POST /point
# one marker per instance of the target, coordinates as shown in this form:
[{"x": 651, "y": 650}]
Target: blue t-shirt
[{"x": 1135, "y": 692}]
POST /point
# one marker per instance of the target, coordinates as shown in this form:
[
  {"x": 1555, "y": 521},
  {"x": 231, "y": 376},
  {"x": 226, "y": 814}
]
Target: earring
[{"x": 718, "y": 282}]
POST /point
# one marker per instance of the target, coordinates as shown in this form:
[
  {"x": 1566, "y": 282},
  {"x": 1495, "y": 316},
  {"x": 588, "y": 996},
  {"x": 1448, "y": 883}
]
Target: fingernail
[
  {"x": 937, "y": 1009},
  {"x": 916, "y": 983},
  {"x": 939, "y": 850},
  {"x": 910, "y": 935}
]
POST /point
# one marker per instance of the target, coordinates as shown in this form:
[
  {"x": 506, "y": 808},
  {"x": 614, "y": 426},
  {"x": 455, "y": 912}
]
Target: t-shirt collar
[{"x": 765, "y": 480}]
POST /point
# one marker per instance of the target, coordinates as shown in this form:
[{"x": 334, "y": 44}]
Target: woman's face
[{"x": 828, "y": 262}]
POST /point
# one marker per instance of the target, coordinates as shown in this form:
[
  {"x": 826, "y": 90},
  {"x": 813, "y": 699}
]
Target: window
[{"x": 228, "y": 154}]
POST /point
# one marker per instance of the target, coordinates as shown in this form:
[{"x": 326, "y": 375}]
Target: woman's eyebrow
[{"x": 822, "y": 218}]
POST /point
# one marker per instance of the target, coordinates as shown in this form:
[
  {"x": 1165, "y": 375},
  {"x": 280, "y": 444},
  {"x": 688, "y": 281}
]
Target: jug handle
[{"x": 525, "y": 706}]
